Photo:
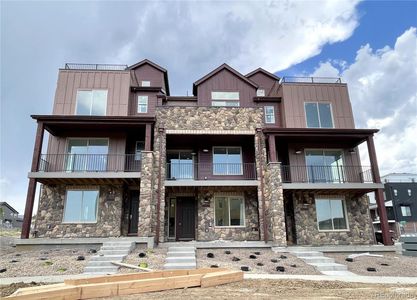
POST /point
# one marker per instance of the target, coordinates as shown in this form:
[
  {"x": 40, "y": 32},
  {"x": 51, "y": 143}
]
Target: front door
[
  {"x": 133, "y": 212},
  {"x": 185, "y": 218}
]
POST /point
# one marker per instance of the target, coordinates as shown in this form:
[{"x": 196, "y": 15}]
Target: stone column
[
  {"x": 159, "y": 183},
  {"x": 274, "y": 196},
  {"x": 145, "y": 196},
  {"x": 260, "y": 158}
]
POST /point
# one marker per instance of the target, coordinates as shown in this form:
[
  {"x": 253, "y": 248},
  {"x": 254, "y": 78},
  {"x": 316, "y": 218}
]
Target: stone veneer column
[
  {"x": 145, "y": 196},
  {"x": 275, "y": 198}
]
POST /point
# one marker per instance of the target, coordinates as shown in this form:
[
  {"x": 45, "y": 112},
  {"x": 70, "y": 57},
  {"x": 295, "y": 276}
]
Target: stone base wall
[
  {"x": 51, "y": 210},
  {"x": 146, "y": 194},
  {"x": 359, "y": 233}
]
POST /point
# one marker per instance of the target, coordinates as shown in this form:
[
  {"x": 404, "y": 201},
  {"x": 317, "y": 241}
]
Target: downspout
[
  {"x": 261, "y": 163},
  {"x": 158, "y": 203}
]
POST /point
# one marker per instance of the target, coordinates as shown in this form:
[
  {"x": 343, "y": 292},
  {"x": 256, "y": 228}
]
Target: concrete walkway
[{"x": 357, "y": 278}]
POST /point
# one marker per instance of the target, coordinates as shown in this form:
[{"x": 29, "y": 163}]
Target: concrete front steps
[
  {"x": 325, "y": 265},
  {"x": 110, "y": 251},
  {"x": 180, "y": 258}
]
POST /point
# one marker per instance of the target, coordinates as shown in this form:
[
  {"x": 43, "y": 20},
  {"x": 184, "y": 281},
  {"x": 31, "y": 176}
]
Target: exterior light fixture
[
  {"x": 205, "y": 150},
  {"x": 298, "y": 151}
]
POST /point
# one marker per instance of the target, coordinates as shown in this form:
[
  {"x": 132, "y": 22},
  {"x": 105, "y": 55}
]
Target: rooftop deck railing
[
  {"x": 98, "y": 67},
  {"x": 298, "y": 79},
  {"x": 210, "y": 171},
  {"x": 90, "y": 163},
  {"x": 326, "y": 174}
]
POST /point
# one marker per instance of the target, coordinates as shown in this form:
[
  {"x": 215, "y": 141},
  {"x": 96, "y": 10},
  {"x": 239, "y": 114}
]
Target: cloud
[{"x": 383, "y": 92}]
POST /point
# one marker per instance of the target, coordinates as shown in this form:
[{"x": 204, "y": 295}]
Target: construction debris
[
  {"x": 130, "y": 266},
  {"x": 353, "y": 256}
]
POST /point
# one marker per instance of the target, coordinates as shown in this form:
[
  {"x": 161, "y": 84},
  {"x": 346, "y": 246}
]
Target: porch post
[
  {"x": 30, "y": 197},
  {"x": 379, "y": 195},
  {"x": 272, "y": 148},
  {"x": 148, "y": 136}
]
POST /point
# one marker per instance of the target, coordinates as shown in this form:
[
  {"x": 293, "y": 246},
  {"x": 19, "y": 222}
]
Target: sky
[{"x": 372, "y": 45}]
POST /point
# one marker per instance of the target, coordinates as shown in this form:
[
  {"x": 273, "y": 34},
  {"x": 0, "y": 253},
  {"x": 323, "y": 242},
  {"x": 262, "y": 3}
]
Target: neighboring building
[
  {"x": 400, "y": 202},
  {"x": 9, "y": 217},
  {"x": 246, "y": 157}
]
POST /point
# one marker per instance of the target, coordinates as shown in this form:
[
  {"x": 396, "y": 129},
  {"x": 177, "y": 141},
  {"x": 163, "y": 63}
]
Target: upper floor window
[
  {"x": 142, "y": 104},
  {"x": 269, "y": 114},
  {"x": 331, "y": 214},
  {"x": 91, "y": 102},
  {"x": 260, "y": 93},
  {"x": 227, "y": 161},
  {"x": 318, "y": 115},
  {"x": 139, "y": 147},
  {"x": 146, "y": 83},
  {"x": 395, "y": 192},
  {"x": 409, "y": 192},
  {"x": 225, "y": 99},
  {"x": 325, "y": 166},
  {"x": 406, "y": 210},
  {"x": 87, "y": 155}
]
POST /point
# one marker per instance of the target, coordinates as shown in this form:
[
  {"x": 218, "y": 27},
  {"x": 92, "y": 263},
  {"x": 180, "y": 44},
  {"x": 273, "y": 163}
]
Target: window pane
[
  {"x": 146, "y": 83},
  {"x": 99, "y": 103},
  {"x": 138, "y": 150},
  {"x": 221, "y": 211},
  {"x": 260, "y": 92},
  {"x": 312, "y": 115},
  {"x": 269, "y": 114},
  {"x": 325, "y": 115},
  {"x": 225, "y": 103},
  {"x": 406, "y": 211},
  {"x": 89, "y": 208},
  {"x": 142, "y": 104},
  {"x": 236, "y": 212},
  {"x": 338, "y": 214},
  {"x": 72, "y": 211},
  {"x": 225, "y": 95},
  {"x": 324, "y": 218},
  {"x": 84, "y": 99}
]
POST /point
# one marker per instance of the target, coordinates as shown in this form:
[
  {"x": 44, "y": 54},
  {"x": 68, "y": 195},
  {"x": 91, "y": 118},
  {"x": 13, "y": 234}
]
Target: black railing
[
  {"x": 98, "y": 67},
  {"x": 326, "y": 174},
  {"x": 89, "y": 163},
  {"x": 210, "y": 171},
  {"x": 298, "y": 79}
]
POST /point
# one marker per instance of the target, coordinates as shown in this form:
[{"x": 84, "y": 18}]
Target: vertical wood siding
[
  {"x": 263, "y": 81},
  {"x": 148, "y": 73}
]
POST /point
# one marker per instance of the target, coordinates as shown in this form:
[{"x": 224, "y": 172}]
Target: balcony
[
  {"x": 96, "y": 67},
  {"x": 298, "y": 79},
  {"x": 210, "y": 174},
  {"x": 88, "y": 168}
]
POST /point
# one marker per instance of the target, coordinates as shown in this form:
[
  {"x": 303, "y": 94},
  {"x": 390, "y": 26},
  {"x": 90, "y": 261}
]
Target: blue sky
[{"x": 191, "y": 38}]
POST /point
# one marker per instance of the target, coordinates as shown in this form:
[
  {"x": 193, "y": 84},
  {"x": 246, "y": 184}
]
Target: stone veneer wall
[
  {"x": 206, "y": 231},
  {"x": 146, "y": 194},
  {"x": 51, "y": 210},
  {"x": 307, "y": 232}
]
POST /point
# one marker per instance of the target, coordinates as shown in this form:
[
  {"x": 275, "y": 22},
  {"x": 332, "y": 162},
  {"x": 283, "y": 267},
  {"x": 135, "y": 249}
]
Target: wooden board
[{"x": 217, "y": 278}]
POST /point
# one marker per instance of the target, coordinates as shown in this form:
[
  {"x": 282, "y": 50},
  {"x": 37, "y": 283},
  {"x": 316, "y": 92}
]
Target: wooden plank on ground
[
  {"x": 217, "y": 278},
  {"x": 32, "y": 289},
  {"x": 113, "y": 278},
  {"x": 60, "y": 293},
  {"x": 205, "y": 270},
  {"x": 98, "y": 290}
]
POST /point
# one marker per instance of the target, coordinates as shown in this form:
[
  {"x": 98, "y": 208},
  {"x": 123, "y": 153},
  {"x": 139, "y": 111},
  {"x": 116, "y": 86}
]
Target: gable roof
[
  {"x": 8, "y": 206},
  {"x": 217, "y": 70},
  {"x": 260, "y": 70},
  {"x": 156, "y": 66}
]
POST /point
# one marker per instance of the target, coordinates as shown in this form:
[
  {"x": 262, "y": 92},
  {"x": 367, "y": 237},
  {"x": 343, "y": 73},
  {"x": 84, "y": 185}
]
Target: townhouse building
[{"x": 246, "y": 157}]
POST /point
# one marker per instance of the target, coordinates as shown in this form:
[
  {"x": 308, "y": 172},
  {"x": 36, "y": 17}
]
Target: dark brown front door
[
  {"x": 185, "y": 218},
  {"x": 133, "y": 212}
]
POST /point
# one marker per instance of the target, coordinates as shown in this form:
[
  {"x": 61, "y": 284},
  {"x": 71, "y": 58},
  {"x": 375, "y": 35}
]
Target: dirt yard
[
  {"x": 154, "y": 258},
  {"x": 391, "y": 264},
  {"x": 291, "y": 264}
]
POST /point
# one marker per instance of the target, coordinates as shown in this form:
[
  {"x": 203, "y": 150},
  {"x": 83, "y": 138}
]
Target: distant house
[{"x": 9, "y": 217}]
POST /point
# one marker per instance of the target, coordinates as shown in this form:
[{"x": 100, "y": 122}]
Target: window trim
[
  {"x": 91, "y": 106},
  {"x": 241, "y": 160},
  {"x": 330, "y": 198},
  {"x": 81, "y": 189},
  {"x": 228, "y": 201},
  {"x": 318, "y": 113},
  {"x": 139, "y": 104},
  {"x": 273, "y": 114}
]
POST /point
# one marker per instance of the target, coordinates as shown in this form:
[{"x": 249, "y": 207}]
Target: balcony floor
[
  {"x": 130, "y": 178},
  {"x": 211, "y": 182},
  {"x": 333, "y": 188}
]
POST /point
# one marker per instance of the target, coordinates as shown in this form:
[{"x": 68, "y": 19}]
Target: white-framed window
[
  {"x": 227, "y": 161},
  {"x": 91, "y": 102},
  {"x": 260, "y": 93},
  {"x": 405, "y": 210},
  {"x": 395, "y": 192},
  {"x": 409, "y": 192},
  {"x": 229, "y": 211},
  {"x": 331, "y": 214},
  {"x": 318, "y": 115},
  {"x": 269, "y": 114},
  {"x": 81, "y": 206},
  {"x": 228, "y": 99},
  {"x": 145, "y": 83},
  {"x": 139, "y": 147},
  {"x": 142, "y": 104}
]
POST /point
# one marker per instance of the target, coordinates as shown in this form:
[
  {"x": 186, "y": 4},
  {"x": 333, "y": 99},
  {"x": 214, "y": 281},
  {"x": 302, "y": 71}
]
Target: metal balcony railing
[
  {"x": 210, "y": 171},
  {"x": 98, "y": 67},
  {"x": 298, "y": 79},
  {"x": 326, "y": 174},
  {"x": 89, "y": 163}
]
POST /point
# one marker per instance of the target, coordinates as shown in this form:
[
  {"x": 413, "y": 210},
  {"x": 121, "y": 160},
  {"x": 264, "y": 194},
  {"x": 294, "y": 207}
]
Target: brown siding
[
  {"x": 69, "y": 81},
  {"x": 133, "y": 103},
  {"x": 226, "y": 81},
  {"x": 263, "y": 81},
  {"x": 148, "y": 73},
  {"x": 277, "y": 111},
  {"x": 294, "y": 96}
]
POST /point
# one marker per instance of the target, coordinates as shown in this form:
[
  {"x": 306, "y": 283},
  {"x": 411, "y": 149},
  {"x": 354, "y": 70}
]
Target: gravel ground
[
  {"x": 155, "y": 258},
  {"x": 7, "y": 290},
  {"x": 398, "y": 265},
  {"x": 28, "y": 263},
  {"x": 286, "y": 289},
  {"x": 224, "y": 260}
]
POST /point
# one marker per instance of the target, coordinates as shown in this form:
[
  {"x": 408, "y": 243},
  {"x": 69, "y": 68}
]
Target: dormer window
[
  {"x": 260, "y": 93},
  {"x": 145, "y": 83},
  {"x": 227, "y": 99}
]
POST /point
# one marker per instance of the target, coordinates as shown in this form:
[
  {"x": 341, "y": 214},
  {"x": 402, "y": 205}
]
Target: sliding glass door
[
  {"x": 325, "y": 166},
  {"x": 87, "y": 155}
]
